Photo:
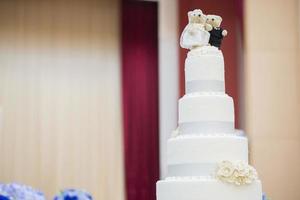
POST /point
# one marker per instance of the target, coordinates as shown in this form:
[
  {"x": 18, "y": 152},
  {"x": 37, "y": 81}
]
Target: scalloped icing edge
[
  {"x": 205, "y": 93},
  {"x": 235, "y": 135},
  {"x": 205, "y": 50}
]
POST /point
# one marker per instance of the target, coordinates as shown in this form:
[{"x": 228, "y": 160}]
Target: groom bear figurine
[{"x": 216, "y": 32}]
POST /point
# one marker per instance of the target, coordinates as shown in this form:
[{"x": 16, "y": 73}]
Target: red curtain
[
  {"x": 231, "y": 12},
  {"x": 140, "y": 98}
]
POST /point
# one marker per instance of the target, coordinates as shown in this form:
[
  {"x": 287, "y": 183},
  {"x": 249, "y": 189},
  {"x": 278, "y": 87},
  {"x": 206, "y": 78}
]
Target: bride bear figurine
[{"x": 195, "y": 33}]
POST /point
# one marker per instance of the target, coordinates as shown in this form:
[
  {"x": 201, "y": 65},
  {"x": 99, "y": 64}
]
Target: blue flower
[
  {"x": 72, "y": 194},
  {"x": 4, "y": 197},
  {"x": 3, "y": 193}
]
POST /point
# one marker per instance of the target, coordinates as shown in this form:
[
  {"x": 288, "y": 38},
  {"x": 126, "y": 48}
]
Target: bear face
[
  {"x": 214, "y": 20},
  {"x": 197, "y": 16}
]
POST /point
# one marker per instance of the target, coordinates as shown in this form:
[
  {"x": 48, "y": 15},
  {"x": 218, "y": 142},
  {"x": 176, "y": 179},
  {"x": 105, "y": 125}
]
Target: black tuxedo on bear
[{"x": 216, "y": 37}]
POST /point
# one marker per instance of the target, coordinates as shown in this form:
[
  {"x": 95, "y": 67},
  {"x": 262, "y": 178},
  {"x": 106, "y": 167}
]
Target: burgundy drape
[
  {"x": 140, "y": 98},
  {"x": 231, "y": 12}
]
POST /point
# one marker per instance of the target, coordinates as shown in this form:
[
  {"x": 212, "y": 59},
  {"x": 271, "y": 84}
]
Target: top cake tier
[{"x": 204, "y": 70}]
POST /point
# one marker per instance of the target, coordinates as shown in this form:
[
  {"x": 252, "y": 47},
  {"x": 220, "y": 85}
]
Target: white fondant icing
[
  {"x": 205, "y": 93},
  {"x": 204, "y": 70},
  {"x": 206, "y": 149},
  {"x": 237, "y": 134},
  {"x": 206, "y": 189},
  {"x": 206, "y": 108},
  {"x": 204, "y": 67}
]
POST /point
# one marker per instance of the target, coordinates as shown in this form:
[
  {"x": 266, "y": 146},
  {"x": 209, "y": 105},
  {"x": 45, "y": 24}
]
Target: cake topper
[
  {"x": 216, "y": 32},
  {"x": 195, "y": 33},
  {"x": 202, "y": 30}
]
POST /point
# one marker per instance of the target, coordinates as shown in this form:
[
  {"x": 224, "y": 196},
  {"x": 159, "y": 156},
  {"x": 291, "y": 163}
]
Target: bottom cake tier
[{"x": 206, "y": 189}]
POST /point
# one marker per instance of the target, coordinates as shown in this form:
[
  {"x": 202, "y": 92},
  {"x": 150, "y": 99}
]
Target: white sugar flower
[
  {"x": 238, "y": 173},
  {"x": 225, "y": 169}
]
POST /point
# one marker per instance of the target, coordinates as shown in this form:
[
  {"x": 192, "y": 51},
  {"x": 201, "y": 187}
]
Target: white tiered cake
[{"x": 207, "y": 159}]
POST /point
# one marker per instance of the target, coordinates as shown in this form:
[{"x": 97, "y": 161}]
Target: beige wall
[
  {"x": 272, "y": 94},
  {"x": 60, "y": 95}
]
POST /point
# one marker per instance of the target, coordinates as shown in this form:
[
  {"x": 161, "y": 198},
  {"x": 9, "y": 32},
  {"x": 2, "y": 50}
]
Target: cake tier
[
  {"x": 206, "y": 189},
  {"x": 206, "y": 113},
  {"x": 199, "y": 155},
  {"x": 204, "y": 70}
]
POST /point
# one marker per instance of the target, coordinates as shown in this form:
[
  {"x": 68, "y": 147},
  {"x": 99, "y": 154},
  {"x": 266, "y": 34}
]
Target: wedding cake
[{"x": 207, "y": 158}]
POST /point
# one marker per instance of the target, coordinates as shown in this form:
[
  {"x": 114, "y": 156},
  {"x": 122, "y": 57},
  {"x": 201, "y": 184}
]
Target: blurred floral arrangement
[
  {"x": 72, "y": 194},
  {"x": 4, "y": 197},
  {"x": 264, "y": 197},
  {"x": 14, "y": 191}
]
